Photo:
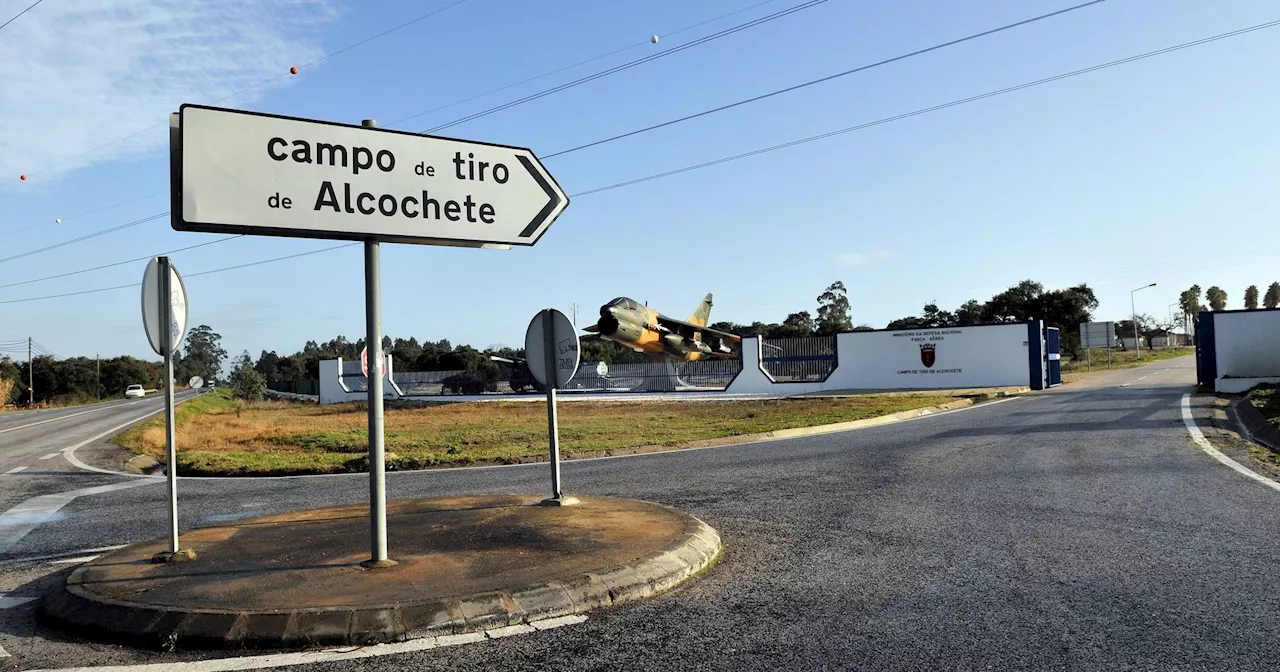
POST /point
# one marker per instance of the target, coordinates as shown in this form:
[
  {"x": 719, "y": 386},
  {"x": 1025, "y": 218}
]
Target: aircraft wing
[
  {"x": 593, "y": 328},
  {"x": 680, "y": 326}
]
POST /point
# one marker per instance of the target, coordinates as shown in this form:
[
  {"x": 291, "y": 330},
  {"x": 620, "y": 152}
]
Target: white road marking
[
  {"x": 70, "y": 453},
  {"x": 1143, "y": 377},
  {"x": 7, "y": 602},
  {"x": 14, "y": 470},
  {"x": 60, "y": 417},
  {"x": 74, "y": 561},
  {"x": 50, "y": 456},
  {"x": 1198, "y": 437},
  {"x": 17, "y": 522},
  {"x": 326, "y": 655},
  {"x": 40, "y": 558}
]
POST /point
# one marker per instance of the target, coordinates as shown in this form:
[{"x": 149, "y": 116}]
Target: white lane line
[
  {"x": 19, "y": 521},
  {"x": 60, "y": 417},
  {"x": 40, "y": 558},
  {"x": 14, "y": 470},
  {"x": 327, "y": 655},
  {"x": 70, "y": 452},
  {"x": 1198, "y": 437},
  {"x": 50, "y": 456},
  {"x": 7, "y": 602},
  {"x": 74, "y": 561}
]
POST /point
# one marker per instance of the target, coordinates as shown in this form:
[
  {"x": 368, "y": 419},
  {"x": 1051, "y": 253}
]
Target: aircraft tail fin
[{"x": 702, "y": 314}]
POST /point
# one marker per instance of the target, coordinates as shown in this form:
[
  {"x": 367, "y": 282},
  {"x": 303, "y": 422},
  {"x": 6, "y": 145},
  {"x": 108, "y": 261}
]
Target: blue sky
[{"x": 1160, "y": 171}]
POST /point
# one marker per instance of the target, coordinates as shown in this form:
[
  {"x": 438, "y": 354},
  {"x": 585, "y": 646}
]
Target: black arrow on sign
[{"x": 546, "y": 209}]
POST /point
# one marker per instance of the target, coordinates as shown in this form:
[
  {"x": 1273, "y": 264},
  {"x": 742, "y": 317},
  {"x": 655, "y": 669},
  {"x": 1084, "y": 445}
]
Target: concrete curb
[
  {"x": 81, "y": 612},
  {"x": 1256, "y": 426}
]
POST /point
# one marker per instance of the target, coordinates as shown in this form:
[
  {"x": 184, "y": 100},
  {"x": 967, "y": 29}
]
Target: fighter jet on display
[{"x": 643, "y": 329}]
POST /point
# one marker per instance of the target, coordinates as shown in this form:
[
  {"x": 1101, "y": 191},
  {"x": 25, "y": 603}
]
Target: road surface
[{"x": 1078, "y": 528}]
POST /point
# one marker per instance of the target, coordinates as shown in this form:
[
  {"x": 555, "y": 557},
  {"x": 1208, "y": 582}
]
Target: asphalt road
[{"x": 1073, "y": 529}]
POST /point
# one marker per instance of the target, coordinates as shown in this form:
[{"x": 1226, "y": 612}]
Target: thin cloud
[
  {"x": 77, "y": 75},
  {"x": 857, "y": 259}
]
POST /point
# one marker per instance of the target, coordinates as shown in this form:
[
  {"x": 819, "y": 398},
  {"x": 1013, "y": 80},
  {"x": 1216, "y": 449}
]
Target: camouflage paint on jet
[{"x": 643, "y": 329}]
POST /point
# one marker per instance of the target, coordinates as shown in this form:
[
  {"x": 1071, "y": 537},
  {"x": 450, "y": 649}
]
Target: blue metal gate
[{"x": 1053, "y": 345}]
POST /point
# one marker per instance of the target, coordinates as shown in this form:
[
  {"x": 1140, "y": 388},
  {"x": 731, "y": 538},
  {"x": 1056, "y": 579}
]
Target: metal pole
[
  {"x": 31, "y": 376},
  {"x": 171, "y": 450},
  {"x": 553, "y": 423},
  {"x": 97, "y": 388},
  {"x": 1133, "y": 314},
  {"x": 377, "y": 449}
]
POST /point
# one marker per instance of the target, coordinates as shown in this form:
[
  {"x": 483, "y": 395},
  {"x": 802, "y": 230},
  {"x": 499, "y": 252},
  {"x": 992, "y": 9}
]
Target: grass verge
[
  {"x": 1121, "y": 359},
  {"x": 220, "y": 436},
  {"x": 1267, "y": 400}
]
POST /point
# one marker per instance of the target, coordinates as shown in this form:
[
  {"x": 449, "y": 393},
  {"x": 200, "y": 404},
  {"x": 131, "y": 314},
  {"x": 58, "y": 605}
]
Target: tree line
[{"x": 1189, "y": 300}]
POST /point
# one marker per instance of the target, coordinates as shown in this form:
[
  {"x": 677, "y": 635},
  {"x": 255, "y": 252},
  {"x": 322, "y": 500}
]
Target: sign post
[
  {"x": 258, "y": 174},
  {"x": 164, "y": 316},
  {"x": 554, "y": 335}
]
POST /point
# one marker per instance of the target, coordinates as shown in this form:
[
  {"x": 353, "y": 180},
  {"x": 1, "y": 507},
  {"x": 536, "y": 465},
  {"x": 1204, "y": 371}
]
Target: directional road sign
[
  {"x": 151, "y": 298},
  {"x": 244, "y": 172}
]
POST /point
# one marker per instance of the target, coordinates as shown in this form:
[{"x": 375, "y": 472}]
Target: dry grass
[{"x": 219, "y": 436}]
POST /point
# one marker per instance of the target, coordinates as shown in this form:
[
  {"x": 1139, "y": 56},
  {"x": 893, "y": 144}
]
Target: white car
[{"x": 134, "y": 391}]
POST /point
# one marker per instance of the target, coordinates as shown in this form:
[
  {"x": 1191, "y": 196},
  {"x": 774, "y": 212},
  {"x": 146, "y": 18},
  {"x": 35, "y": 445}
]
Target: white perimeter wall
[
  {"x": 991, "y": 356},
  {"x": 963, "y": 357},
  {"x": 1248, "y": 348}
]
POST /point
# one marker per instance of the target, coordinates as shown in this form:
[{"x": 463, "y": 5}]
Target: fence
[
  {"x": 669, "y": 376},
  {"x": 308, "y": 386},
  {"x": 807, "y": 359}
]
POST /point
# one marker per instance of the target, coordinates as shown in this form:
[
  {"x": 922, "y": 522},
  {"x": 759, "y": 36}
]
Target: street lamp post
[
  {"x": 1169, "y": 340},
  {"x": 1133, "y": 311}
]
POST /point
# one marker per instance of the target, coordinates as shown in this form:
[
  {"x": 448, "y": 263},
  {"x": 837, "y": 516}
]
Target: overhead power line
[
  {"x": 571, "y": 66},
  {"x": 828, "y": 78},
  {"x": 850, "y": 129},
  {"x": 104, "y": 232},
  {"x": 935, "y": 108},
  {"x": 284, "y": 74},
  {"x": 121, "y": 263},
  {"x": 84, "y": 214},
  {"x": 15, "y": 16},
  {"x": 631, "y": 64}
]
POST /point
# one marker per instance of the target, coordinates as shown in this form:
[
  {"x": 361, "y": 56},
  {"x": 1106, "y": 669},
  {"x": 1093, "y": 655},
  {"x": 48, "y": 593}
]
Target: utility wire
[
  {"x": 121, "y": 263},
  {"x": 15, "y": 16},
  {"x": 885, "y": 120},
  {"x": 252, "y": 87},
  {"x": 828, "y": 78},
  {"x": 86, "y": 213},
  {"x": 104, "y": 232},
  {"x": 935, "y": 108},
  {"x": 631, "y": 64},
  {"x": 593, "y": 59}
]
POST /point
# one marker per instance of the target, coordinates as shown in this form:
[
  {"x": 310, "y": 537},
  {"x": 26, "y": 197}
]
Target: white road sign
[
  {"x": 244, "y": 172},
  {"x": 151, "y": 305},
  {"x": 566, "y": 344},
  {"x": 602, "y": 369},
  {"x": 195, "y": 383}
]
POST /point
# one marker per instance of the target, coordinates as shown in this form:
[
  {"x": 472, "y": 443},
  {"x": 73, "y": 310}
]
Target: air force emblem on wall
[{"x": 927, "y": 354}]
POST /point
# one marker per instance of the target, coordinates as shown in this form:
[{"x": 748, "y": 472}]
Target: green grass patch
[
  {"x": 220, "y": 436},
  {"x": 1267, "y": 400},
  {"x": 1121, "y": 359}
]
